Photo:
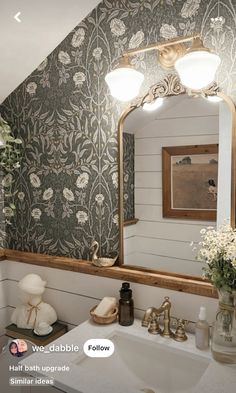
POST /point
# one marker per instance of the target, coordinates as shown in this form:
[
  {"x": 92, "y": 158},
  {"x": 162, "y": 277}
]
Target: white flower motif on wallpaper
[
  {"x": 34, "y": 180},
  {"x": 78, "y": 56},
  {"x": 64, "y": 57},
  {"x": 126, "y": 177},
  {"x": 82, "y": 180},
  {"x": 78, "y": 38},
  {"x": 116, "y": 219},
  {"x": 217, "y": 24},
  {"x": 43, "y": 65},
  {"x": 31, "y": 88},
  {"x": 63, "y": 76},
  {"x": 21, "y": 195},
  {"x": 37, "y": 194},
  {"x": 139, "y": 61},
  {"x": 115, "y": 179},
  {"x": 188, "y": 27},
  {"x": 50, "y": 209},
  {"x": 36, "y": 214},
  {"x": 44, "y": 81},
  {"x": 190, "y": 8},
  {"x": 67, "y": 211},
  {"x": 8, "y": 212},
  {"x": 82, "y": 217},
  {"x": 79, "y": 78},
  {"x": 97, "y": 53},
  {"x": 7, "y": 180},
  {"x": 168, "y": 31},
  {"x": 117, "y": 27},
  {"x": 47, "y": 194},
  {"x": 68, "y": 194},
  {"x": 136, "y": 39},
  {"x": 99, "y": 198}
]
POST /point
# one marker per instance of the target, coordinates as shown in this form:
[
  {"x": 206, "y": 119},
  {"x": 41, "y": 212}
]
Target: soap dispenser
[{"x": 126, "y": 305}]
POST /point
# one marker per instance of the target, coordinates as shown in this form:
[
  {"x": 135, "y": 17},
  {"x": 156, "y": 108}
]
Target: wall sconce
[
  {"x": 124, "y": 81},
  {"x": 196, "y": 66}
]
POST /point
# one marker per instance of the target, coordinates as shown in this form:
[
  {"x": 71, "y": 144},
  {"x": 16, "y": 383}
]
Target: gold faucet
[{"x": 153, "y": 313}]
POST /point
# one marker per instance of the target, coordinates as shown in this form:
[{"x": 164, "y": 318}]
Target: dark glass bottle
[{"x": 126, "y": 305}]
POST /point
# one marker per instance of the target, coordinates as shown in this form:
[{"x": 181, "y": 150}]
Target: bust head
[{"x": 32, "y": 284}]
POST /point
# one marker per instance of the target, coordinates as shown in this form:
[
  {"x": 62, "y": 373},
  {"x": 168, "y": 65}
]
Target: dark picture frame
[{"x": 189, "y": 182}]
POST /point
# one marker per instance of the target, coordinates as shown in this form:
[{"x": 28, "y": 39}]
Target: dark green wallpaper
[
  {"x": 65, "y": 191},
  {"x": 129, "y": 179}
]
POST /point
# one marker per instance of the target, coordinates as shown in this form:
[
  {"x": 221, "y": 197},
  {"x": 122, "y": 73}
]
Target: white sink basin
[
  {"x": 144, "y": 364},
  {"x": 141, "y": 362}
]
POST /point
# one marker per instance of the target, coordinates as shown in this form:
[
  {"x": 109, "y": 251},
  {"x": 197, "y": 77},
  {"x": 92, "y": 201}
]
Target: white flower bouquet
[{"x": 218, "y": 250}]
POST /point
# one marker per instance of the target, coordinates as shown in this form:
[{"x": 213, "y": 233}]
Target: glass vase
[{"x": 223, "y": 342}]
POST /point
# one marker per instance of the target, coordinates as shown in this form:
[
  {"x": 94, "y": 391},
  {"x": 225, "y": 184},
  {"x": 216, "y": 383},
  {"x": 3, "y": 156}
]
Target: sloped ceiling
[{"x": 44, "y": 24}]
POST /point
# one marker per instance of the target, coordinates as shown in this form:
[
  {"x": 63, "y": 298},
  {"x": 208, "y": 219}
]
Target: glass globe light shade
[
  {"x": 124, "y": 83},
  {"x": 197, "y": 69}
]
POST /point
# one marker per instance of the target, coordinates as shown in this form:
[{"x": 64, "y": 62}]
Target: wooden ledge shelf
[
  {"x": 181, "y": 283},
  {"x": 133, "y": 221}
]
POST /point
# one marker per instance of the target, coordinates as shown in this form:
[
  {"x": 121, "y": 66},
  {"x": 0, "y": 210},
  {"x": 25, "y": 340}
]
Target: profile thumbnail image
[{"x": 18, "y": 347}]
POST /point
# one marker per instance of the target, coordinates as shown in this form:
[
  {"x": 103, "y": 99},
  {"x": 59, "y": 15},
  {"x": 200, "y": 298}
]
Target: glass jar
[{"x": 223, "y": 343}]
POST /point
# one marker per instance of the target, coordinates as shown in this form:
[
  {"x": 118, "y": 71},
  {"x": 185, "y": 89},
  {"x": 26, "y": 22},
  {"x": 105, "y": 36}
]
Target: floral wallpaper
[
  {"x": 65, "y": 191},
  {"x": 128, "y": 159}
]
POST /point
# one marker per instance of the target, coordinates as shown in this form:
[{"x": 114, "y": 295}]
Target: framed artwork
[{"x": 189, "y": 181}]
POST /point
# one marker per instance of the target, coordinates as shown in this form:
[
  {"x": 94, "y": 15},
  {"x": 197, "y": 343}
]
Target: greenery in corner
[
  {"x": 9, "y": 161},
  {"x": 9, "y": 148},
  {"x": 218, "y": 250}
]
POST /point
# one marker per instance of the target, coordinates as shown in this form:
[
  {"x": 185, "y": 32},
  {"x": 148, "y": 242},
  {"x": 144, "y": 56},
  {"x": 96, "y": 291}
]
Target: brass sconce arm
[
  {"x": 169, "y": 51},
  {"x": 161, "y": 45}
]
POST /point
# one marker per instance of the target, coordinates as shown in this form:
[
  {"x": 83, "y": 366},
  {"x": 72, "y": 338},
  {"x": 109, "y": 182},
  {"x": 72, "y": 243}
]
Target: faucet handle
[
  {"x": 167, "y": 300},
  {"x": 180, "y": 334},
  {"x": 154, "y": 327}
]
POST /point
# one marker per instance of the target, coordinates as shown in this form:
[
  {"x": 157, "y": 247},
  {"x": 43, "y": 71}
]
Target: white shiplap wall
[
  {"x": 73, "y": 294},
  {"x": 157, "y": 242}
]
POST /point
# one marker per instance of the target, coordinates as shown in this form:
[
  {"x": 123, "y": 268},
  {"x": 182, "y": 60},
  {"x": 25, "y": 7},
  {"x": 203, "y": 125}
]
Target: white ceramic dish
[{"x": 45, "y": 333}]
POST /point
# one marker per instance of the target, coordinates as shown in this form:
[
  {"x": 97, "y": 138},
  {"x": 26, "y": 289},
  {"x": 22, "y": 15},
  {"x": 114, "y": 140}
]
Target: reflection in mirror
[{"x": 158, "y": 241}]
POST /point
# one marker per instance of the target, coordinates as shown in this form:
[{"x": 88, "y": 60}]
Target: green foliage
[
  {"x": 9, "y": 148},
  {"x": 221, "y": 273}
]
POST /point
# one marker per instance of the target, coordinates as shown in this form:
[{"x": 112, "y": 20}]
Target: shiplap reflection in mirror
[{"x": 154, "y": 241}]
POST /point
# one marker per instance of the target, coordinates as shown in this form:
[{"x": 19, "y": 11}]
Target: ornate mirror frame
[{"x": 171, "y": 86}]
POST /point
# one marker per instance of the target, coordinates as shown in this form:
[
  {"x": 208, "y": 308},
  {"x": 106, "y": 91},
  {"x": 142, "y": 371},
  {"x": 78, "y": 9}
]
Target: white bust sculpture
[{"x": 33, "y": 310}]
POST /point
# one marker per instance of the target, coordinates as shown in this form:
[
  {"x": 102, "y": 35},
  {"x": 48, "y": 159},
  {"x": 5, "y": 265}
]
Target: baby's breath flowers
[{"x": 218, "y": 250}]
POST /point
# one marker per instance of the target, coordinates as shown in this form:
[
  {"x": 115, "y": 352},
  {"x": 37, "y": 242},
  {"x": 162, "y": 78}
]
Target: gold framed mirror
[{"x": 170, "y": 88}]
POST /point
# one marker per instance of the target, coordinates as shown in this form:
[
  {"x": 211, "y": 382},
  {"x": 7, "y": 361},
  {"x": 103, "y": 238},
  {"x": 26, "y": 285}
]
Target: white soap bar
[{"x": 106, "y": 306}]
